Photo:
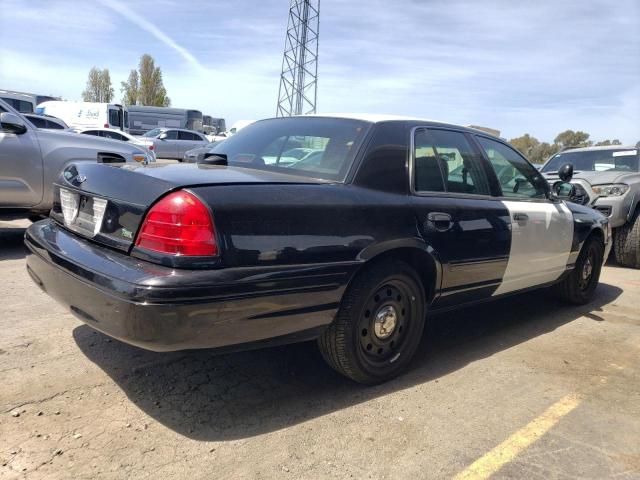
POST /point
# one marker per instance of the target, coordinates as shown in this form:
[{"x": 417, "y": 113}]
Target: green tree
[
  {"x": 98, "y": 88},
  {"x": 543, "y": 151},
  {"x": 605, "y": 143},
  {"x": 525, "y": 144},
  {"x": 569, "y": 138},
  {"x": 144, "y": 86},
  {"x": 130, "y": 89}
]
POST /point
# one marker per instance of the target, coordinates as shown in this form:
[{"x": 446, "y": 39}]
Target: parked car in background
[
  {"x": 141, "y": 142},
  {"x": 174, "y": 142},
  {"x": 31, "y": 159},
  {"x": 198, "y": 154},
  {"x": 607, "y": 179},
  {"x": 143, "y": 118},
  {"x": 22, "y": 102},
  {"x": 352, "y": 250},
  {"x": 46, "y": 121},
  {"x": 87, "y": 114}
]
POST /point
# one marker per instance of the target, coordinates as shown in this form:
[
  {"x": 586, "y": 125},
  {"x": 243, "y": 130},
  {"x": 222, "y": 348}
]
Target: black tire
[
  {"x": 580, "y": 285},
  {"x": 379, "y": 324},
  {"x": 626, "y": 242}
]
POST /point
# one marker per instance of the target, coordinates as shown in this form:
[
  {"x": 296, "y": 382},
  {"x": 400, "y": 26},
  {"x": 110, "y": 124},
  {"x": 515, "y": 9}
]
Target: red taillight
[
  {"x": 151, "y": 147},
  {"x": 106, "y": 125},
  {"x": 179, "y": 224}
]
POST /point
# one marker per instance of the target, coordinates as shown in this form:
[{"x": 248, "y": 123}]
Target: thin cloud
[{"x": 149, "y": 27}]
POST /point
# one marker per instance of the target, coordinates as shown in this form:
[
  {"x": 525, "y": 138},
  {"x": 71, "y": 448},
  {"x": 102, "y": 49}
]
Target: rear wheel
[
  {"x": 579, "y": 286},
  {"x": 379, "y": 324},
  {"x": 626, "y": 242}
]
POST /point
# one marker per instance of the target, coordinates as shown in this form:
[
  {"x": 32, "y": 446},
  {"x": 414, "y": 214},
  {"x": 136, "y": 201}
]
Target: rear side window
[
  {"x": 446, "y": 162},
  {"x": 114, "y": 136},
  {"x": 517, "y": 178},
  {"x": 54, "y": 125},
  {"x": 187, "y": 136},
  {"x": 95, "y": 133}
]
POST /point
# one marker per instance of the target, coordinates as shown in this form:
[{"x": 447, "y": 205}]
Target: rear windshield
[
  {"x": 153, "y": 133},
  {"x": 312, "y": 146},
  {"x": 617, "y": 160}
]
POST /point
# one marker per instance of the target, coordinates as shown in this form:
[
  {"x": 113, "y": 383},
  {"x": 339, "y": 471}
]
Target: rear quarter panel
[{"x": 304, "y": 224}]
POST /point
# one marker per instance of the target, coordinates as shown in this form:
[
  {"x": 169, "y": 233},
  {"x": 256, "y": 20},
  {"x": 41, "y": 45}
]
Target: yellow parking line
[{"x": 504, "y": 453}]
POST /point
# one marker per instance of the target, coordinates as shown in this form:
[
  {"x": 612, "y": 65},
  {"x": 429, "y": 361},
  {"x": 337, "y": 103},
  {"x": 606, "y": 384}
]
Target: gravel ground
[{"x": 76, "y": 404}]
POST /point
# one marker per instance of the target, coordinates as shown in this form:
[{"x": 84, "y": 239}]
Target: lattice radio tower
[{"x": 299, "y": 78}]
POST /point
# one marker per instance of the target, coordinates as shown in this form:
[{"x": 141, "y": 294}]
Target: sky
[{"x": 520, "y": 67}]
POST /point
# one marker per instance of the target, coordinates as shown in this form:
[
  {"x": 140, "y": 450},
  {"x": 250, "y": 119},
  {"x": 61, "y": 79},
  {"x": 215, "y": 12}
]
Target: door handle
[
  {"x": 520, "y": 217},
  {"x": 439, "y": 221}
]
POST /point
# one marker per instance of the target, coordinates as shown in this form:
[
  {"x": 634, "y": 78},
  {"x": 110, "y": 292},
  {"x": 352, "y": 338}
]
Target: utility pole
[{"x": 299, "y": 78}]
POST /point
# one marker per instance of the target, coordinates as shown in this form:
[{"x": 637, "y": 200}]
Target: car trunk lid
[{"x": 108, "y": 204}]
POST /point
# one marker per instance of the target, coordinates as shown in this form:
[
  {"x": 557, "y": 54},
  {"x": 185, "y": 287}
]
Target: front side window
[
  {"x": 446, "y": 162},
  {"x": 114, "y": 118},
  {"x": 517, "y": 178},
  {"x": 95, "y": 133},
  {"x": 313, "y": 146},
  {"x": 38, "y": 122},
  {"x": 171, "y": 135}
]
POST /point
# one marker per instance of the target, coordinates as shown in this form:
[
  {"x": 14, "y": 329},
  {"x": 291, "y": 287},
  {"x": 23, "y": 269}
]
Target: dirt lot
[{"x": 522, "y": 388}]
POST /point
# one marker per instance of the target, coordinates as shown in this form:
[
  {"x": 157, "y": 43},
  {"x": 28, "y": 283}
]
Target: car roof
[
  {"x": 601, "y": 147},
  {"x": 379, "y": 118}
]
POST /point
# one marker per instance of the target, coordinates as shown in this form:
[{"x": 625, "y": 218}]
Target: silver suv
[
  {"x": 607, "y": 179},
  {"x": 31, "y": 159}
]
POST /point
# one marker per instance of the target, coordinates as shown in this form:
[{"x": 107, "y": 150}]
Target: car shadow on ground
[
  {"x": 221, "y": 397},
  {"x": 11, "y": 243}
]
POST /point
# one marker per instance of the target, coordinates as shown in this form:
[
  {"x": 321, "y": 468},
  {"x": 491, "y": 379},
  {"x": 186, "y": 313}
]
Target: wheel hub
[
  {"x": 385, "y": 322},
  {"x": 587, "y": 269}
]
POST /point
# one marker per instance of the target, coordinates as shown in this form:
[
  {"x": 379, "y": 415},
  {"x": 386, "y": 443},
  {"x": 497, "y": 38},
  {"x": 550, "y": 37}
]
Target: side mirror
[
  {"x": 162, "y": 136},
  {"x": 563, "y": 190},
  {"x": 565, "y": 172},
  {"x": 12, "y": 123}
]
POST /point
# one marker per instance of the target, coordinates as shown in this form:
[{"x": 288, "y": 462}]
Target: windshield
[
  {"x": 281, "y": 144},
  {"x": 153, "y": 133},
  {"x": 616, "y": 160}
]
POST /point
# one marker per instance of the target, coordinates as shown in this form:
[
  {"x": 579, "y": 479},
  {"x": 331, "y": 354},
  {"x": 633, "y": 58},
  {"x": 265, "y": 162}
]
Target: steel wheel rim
[
  {"x": 385, "y": 323},
  {"x": 586, "y": 271}
]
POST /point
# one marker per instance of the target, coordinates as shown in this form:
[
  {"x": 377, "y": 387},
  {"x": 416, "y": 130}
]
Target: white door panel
[{"x": 540, "y": 244}]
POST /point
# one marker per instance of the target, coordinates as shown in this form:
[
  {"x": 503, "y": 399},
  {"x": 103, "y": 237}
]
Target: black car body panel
[{"x": 290, "y": 244}]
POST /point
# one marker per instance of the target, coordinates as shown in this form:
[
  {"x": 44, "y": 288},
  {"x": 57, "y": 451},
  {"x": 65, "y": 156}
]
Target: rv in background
[
  {"x": 213, "y": 126},
  {"x": 83, "y": 115},
  {"x": 24, "y": 102},
  {"x": 143, "y": 118}
]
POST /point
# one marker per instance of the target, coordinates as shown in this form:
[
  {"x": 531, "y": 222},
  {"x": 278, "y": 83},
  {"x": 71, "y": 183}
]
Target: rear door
[
  {"x": 186, "y": 141},
  {"x": 541, "y": 229},
  {"x": 457, "y": 215}
]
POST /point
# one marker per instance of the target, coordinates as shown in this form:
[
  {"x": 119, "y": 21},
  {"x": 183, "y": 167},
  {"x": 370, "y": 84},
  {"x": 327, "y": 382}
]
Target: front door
[
  {"x": 541, "y": 229},
  {"x": 166, "y": 147},
  {"x": 457, "y": 216},
  {"x": 21, "y": 169}
]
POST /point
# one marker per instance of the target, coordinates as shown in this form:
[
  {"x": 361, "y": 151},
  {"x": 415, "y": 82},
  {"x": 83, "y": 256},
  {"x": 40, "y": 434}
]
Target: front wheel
[
  {"x": 379, "y": 324},
  {"x": 579, "y": 286},
  {"x": 626, "y": 243}
]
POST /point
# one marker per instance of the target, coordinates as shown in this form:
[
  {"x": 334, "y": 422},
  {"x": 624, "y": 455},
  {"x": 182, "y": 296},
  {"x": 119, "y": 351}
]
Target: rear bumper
[{"x": 164, "y": 309}]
